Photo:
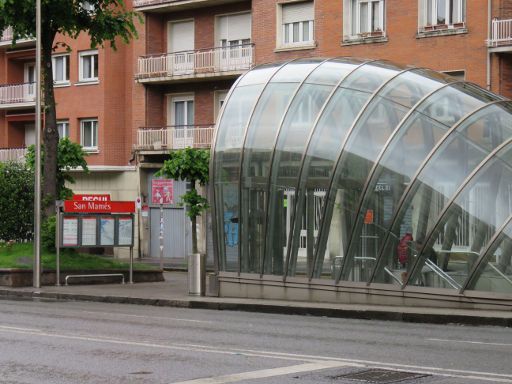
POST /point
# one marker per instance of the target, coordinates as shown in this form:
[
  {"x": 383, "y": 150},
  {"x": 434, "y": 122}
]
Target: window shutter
[
  {"x": 296, "y": 12},
  {"x": 235, "y": 27},
  {"x": 182, "y": 36}
]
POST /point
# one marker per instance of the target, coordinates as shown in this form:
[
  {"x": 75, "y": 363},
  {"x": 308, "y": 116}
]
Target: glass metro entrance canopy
[{"x": 364, "y": 171}]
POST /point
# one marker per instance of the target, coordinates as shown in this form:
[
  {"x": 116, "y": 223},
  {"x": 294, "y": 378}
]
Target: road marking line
[
  {"x": 474, "y": 375},
  {"x": 472, "y": 342},
  {"x": 265, "y": 373},
  {"x": 146, "y": 317}
]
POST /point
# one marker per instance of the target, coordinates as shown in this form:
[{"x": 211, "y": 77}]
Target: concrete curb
[{"x": 410, "y": 315}]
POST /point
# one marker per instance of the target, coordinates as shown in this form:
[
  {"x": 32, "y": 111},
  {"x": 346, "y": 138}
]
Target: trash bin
[{"x": 196, "y": 274}]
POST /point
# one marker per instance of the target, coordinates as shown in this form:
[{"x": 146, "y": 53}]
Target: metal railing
[
  {"x": 197, "y": 62},
  {"x": 501, "y": 33},
  {"x": 143, "y": 3},
  {"x": 175, "y": 137},
  {"x": 17, "y": 93},
  {"x": 12, "y": 154}
]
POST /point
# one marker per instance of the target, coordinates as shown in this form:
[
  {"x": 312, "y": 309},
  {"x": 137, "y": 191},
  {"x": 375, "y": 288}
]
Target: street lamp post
[{"x": 37, "y": 194}]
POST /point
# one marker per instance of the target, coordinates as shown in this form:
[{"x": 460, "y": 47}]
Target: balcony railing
[
  {"x": 196, "y": 63},
  {"x": 143, "y": 3},
  {"x": 7, "y": 35},
  {"x": 12, "y": 154},
  {"x": 174, "y": 137},
  {"x": 501, "y": 33},
  {"x": 17, "y": 93}
]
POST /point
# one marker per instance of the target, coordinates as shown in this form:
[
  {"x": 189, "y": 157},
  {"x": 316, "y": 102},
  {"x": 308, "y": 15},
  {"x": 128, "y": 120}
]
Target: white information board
[
  {"x": 125, "y": 234},
  {"x": 70, "y": 231},
  {"x": 89, "y": 231},
  {"x": 107, "y": 225}
]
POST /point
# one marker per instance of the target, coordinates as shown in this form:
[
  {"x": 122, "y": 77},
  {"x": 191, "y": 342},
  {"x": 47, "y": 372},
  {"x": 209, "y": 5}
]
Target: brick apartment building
[{"x": 165, "y": 90}]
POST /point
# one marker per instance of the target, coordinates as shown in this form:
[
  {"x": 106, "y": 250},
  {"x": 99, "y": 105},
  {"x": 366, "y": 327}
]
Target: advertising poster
[
  {"x": 70, "y": 231},
  {"x": 88, "y": 231},
  {"x": 125, "y": 231},
  {"x": 162, "y": 191},
  {"x": 107, "y": 225}
]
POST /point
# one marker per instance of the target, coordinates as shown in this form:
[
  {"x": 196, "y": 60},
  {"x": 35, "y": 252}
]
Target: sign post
[
  {"x": 162, "y": 192},
  {"x": 95, "y": 221}
]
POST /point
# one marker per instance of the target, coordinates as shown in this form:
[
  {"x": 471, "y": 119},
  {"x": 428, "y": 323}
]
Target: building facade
[{"x": 165, "y": 89}]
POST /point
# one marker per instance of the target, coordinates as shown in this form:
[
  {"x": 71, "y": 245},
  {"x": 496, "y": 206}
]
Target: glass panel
[
  {"x": 286, "y": 33},
  {"x": 376, "y": 25},
  {"x": 430, "y": 5},
  {"x": 87, "y": 134},
  {"x": 59, "y": 69},
  {"x": 226, "y": 165},
  {"x": 332, "y": 71},
  {"x": 190, "y": 112},
  {"x": 296, "y": 27},
  {"x": 95, "y": 64},
  {"x": 354, "y": 17},
  {"x": 468, "y": 224},
  {"x": 179, "y": 113},
  {"x": 371, "y": 76},
  {"x": 363, "y": 17},
  {"x": 86, "y": 67},
  {"x": 258, "y": 150},
  {"x": 363, "y": 146},
  {"x": 296, "y": 71},
  {"x": 305, "y": 31},
  {"x": 453, "y": 161},
  {"x": 286, "y": 164},
  {"x": 495, "y": 272},
  {"x": 441, "y": 12},
  {"x": 259, "y": 75}
]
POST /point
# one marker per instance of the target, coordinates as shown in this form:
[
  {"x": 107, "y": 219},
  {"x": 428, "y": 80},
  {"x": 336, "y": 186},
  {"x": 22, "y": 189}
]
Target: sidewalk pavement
[{"x": 173, "y": 292}]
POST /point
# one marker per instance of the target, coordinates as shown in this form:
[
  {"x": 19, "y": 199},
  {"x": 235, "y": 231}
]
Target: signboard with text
[
  {"x": 162, "y": 191},
  {"x": 99, "y": 206}
]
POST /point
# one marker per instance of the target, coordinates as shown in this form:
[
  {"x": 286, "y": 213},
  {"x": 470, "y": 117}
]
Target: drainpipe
[{"x": 489, "y": 34}]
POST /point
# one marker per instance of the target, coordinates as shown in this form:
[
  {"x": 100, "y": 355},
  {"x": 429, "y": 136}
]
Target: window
[
  {"x": 88, "y": 66},
  {"x": 366, "y": 18},
  {"x": 89, "y": 134},
  {"x": 442, "y": 13},
  {"x": 63, "y": 128},
  {"x": 60, "y": 66},
  {"x": 297, "y": 24}
]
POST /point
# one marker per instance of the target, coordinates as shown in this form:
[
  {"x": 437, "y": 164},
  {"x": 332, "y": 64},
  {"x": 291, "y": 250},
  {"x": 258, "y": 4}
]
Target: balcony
[
  {"x": 16, "y": 96},
  {"x": 7, "y": 35},
  {"x": 199, "y": 64},
  {"x": 176, "y": 5},
  {"x": 12, "y": 154},
  {"x": 501, "y": 36},
  {"x": 174, "y": 137}
]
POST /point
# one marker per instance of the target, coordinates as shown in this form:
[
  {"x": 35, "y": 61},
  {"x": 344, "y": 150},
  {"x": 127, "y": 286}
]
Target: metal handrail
[
  {"x": 500, "y": 273},
  {"x": 386, "y": 269},
  {"x": 200, "y": 50},
  {"x": 438, "y": 271}
]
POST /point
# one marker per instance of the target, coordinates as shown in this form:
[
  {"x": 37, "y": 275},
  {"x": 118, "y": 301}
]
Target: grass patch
[{"x": 21, "y": 256}]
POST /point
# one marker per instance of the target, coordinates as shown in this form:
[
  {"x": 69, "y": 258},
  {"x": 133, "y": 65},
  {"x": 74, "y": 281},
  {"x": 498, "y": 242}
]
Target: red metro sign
[{"x": 97, "y": 204}]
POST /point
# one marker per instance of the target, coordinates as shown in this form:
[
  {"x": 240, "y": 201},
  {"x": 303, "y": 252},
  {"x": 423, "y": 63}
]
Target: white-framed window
[
  {"x": 88, "y": 70},
  {"x": 180, "y": 110},
  {"x": 297, "y": 24},
  {"x": 63, "y": 128},
  {"x": 442, "y": 13},
  {"x": 364, "y": 18},
  {"x": 60, "y": 66},
  {"x": 89, "y": 134}
]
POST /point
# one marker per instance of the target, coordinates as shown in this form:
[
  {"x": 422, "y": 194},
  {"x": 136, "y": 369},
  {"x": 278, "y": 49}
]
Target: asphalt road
[{"x": 77, "y": 342}]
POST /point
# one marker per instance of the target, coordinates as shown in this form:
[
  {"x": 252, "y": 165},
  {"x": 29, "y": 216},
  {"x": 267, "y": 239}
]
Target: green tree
[
  {"x": 189, "y": 164},
  {"x": 70, "y": 155},
  {"x": 103, "y": 20},
  {"x": 16, "y": 202}
]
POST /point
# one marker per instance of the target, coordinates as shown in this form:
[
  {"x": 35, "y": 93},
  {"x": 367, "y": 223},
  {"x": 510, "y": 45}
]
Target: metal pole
[
  {"x": 161, "y": 236},
  {"x": 57, "y": 247},
  {"x": 131, "y": 265},
  {"x": 37, "y": 197}
]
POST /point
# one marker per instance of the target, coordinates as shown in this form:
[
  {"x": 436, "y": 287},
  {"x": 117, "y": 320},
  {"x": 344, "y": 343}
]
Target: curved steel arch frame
[
  {"x": 274, "y": 149},
  {"x": 215, "y": 228},
  {"x": 328, "y": 206},
  {"x": 219, "y": 249},
  {"x": 335, "y": 168},
  {"x": 473, "y": 274},
  {"x": 376, "y": 164},
  {"x": 293, "y": 236},
  {"x": 438, "y": 220},
  {"x": 408, "y": 189}
]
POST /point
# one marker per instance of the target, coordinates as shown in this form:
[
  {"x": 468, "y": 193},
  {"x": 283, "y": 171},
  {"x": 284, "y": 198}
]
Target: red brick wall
[{"x": 444, "y": 53}]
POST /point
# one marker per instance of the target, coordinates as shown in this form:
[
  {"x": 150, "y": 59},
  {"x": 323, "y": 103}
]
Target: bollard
[{"x": 196, "y": 274}]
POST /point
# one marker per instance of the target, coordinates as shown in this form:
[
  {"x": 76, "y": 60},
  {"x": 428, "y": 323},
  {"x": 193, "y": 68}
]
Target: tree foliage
[
  {"x": 190, "y": 164},
  {"x": 70, "y": 156},
  {"x": 16, "y": 202},
  {"x": 105, "y": 21}
]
